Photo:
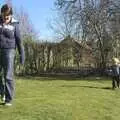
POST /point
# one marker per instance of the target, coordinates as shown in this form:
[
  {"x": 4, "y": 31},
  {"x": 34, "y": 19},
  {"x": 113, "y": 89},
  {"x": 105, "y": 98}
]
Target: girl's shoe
[{"x": 8, "y": 104}]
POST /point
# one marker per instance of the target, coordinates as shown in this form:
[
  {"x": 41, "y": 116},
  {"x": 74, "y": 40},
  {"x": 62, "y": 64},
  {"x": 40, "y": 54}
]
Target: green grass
[{"x": 45, "y": 98}]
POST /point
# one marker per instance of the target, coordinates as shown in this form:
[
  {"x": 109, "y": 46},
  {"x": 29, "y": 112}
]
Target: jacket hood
[{"x": 13, "y": 20}]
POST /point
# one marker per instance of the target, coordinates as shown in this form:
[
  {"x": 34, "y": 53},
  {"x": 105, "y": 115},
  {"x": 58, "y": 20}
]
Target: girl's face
[{"x": 6, "y": 18}]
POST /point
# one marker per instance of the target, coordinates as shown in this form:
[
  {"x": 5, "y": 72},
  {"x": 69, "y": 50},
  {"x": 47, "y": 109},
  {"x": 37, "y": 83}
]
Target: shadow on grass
[
  {"x": 105, "y": 88},
  {"x": 63, "y": 77},
  {"x": 2, "y": 104}
]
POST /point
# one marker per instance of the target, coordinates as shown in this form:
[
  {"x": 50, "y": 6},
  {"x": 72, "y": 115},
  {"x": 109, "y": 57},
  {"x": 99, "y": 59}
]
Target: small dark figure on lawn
[
  {"x": 10, "y": 39},
  {"x": 115, "y": 73}
]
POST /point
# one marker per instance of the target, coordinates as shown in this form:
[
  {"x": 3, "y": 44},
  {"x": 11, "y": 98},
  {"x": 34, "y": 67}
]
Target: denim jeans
[{"x": 6, "y": 73}]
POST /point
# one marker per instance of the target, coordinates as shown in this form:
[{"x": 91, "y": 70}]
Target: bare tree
[
  {"x": 26, "y": 26},
  {"x": 61, "y": 25},
  {"x": 92, "y": 18}
]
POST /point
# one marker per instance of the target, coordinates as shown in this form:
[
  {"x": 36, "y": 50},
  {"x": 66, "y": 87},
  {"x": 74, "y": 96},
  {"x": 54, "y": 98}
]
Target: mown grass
[{"x": 45, "y": 98}]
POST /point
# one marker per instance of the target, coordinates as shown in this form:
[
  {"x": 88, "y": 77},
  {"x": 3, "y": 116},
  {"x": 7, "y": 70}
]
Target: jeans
[
  {"x": 115, "y": 81},
  {"x": 6, "y": 73}
]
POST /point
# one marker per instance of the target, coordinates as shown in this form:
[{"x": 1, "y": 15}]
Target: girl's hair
[
  {"x": 6, "y": 9},
  {"x": 115, "y": 60}
]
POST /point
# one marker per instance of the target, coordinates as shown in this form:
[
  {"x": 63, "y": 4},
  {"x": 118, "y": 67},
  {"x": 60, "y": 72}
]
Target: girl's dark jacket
[{"x": 10, "y": 37}]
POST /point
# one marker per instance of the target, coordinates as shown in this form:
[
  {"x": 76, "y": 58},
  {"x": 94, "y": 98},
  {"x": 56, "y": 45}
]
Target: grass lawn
[{"x": 45, "y": 98}]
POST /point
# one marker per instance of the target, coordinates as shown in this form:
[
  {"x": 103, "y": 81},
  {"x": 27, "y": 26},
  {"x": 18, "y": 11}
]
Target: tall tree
[{"x": 93, "y": 21}]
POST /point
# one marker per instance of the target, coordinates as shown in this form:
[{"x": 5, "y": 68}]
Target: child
[{"x": 115, "y": 73}]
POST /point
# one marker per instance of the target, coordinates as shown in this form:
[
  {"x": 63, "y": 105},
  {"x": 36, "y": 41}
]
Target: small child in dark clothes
[{"x": 115, "y": 73}]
